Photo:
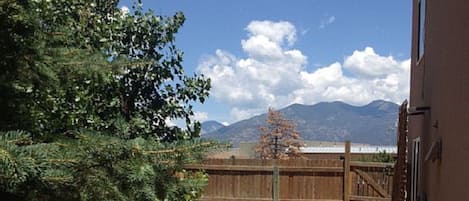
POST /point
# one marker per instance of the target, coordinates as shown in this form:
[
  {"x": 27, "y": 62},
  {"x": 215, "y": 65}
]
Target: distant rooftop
[{"x": 353, "y": 149}]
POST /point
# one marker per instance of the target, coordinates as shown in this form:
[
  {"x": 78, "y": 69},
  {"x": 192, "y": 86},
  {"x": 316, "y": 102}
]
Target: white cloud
[
  {"x": 200, "y": 116},
  {"x": 125, "y": 10},
  {"x": 388, "y": 81},
  {"x": 277, "y": 32},
  {"x": 369, "y": 64},
  {"x": 245, "y": 112},
  {"x": 274, "y": 74},
  {"x": 327, "y": 21},
  {"x": 170, "y": 122}
]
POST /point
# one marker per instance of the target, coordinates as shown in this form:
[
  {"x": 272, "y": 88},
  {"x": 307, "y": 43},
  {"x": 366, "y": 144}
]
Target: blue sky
[{"x": 263, "y": 54}]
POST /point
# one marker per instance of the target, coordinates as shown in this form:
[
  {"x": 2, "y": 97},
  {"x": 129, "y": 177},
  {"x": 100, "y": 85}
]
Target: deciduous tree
[
  {"x": 69, "y": 64},
  {"x": 279, "y": 138}
]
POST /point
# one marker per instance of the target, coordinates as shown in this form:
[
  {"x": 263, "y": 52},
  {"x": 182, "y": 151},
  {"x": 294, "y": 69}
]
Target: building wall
[{"x": 441, "y": 80}]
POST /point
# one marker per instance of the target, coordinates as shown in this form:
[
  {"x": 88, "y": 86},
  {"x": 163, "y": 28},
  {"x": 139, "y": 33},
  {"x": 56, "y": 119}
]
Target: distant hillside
[
  {"x": 374, "y": 123},
  {"x": 210, "y": 126}
]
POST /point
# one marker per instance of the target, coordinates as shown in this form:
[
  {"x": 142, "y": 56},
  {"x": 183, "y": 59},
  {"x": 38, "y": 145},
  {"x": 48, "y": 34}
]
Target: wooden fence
[{"x": 297, "y": 180}]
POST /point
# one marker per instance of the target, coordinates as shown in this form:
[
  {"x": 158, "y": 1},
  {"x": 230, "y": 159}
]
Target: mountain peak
[
  {"x": 382, "y": 105},
  {"x": 377, "y": 102},
  {"x": 210, "y": 126}
]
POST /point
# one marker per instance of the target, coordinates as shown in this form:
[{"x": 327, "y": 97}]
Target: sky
[{"x": 273, "y": 53}]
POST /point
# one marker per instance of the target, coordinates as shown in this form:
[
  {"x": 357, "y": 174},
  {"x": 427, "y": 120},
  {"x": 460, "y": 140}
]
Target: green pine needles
[{"x": 93, "y": 166}]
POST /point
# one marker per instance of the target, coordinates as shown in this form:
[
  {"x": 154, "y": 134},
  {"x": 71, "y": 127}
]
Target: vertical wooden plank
[
  {"x": 347, "y": 178},
  {"x": 237, "y": 184},
  {"x": 275, "y": 183}
]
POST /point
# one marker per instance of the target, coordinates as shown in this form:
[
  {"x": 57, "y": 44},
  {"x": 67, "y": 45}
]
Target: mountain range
[{"x": 374, "y": 123}]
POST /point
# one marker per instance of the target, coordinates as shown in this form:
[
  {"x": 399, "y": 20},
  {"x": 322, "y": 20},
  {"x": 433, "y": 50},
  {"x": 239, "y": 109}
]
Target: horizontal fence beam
[
  {"x": 250, "y": 168},
  {"x": 371, "y": 164}
]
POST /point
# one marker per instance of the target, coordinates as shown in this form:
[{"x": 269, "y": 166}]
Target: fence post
[
  {"x": 275, "y": 182},
  {"x": 347, "y": 176}
]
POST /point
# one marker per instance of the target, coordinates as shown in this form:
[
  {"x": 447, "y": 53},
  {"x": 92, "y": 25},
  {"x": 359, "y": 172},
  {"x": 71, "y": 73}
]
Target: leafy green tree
[
  {"x": 383, "y": 157},
  {"x": 156, "y": 88},
  {"x": 85, "y": 64},
  {"x": 92, "y": 88}
]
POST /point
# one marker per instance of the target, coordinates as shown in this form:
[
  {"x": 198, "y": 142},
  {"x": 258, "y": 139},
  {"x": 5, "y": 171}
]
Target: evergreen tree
[
  {"x": 279, "y": 138},
  {"x": 91, "y": 88},
  {"x": 93, "y": 166}
]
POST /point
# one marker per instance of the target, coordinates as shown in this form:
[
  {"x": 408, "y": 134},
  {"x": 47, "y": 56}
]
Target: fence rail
[{"x": 250, "y": 168}]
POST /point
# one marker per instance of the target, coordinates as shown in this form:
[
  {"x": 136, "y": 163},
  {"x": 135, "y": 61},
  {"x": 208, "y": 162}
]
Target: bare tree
[{"x": 279, "y": 138}]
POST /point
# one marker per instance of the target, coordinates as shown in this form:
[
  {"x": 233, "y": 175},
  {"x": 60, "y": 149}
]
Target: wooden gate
[
  {"x": 371, "y": 181},
  {"x": 366, "y": 181}
]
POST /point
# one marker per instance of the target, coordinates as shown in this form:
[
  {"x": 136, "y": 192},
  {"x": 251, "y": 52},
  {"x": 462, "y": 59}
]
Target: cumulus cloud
[
  {"x": 329, "y": 83},
  {"x": 273, "y": 74},
  {"x": 327, "y": 21},
  {"x": 369, "y": 64},
  {"x": 277, "y": 32}
]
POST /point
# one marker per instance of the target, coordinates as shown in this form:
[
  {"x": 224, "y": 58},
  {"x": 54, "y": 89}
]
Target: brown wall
[{"x": 441, "y": 80}]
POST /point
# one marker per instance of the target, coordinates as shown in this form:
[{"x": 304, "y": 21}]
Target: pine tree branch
[{"x": 205, "y": 144}]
